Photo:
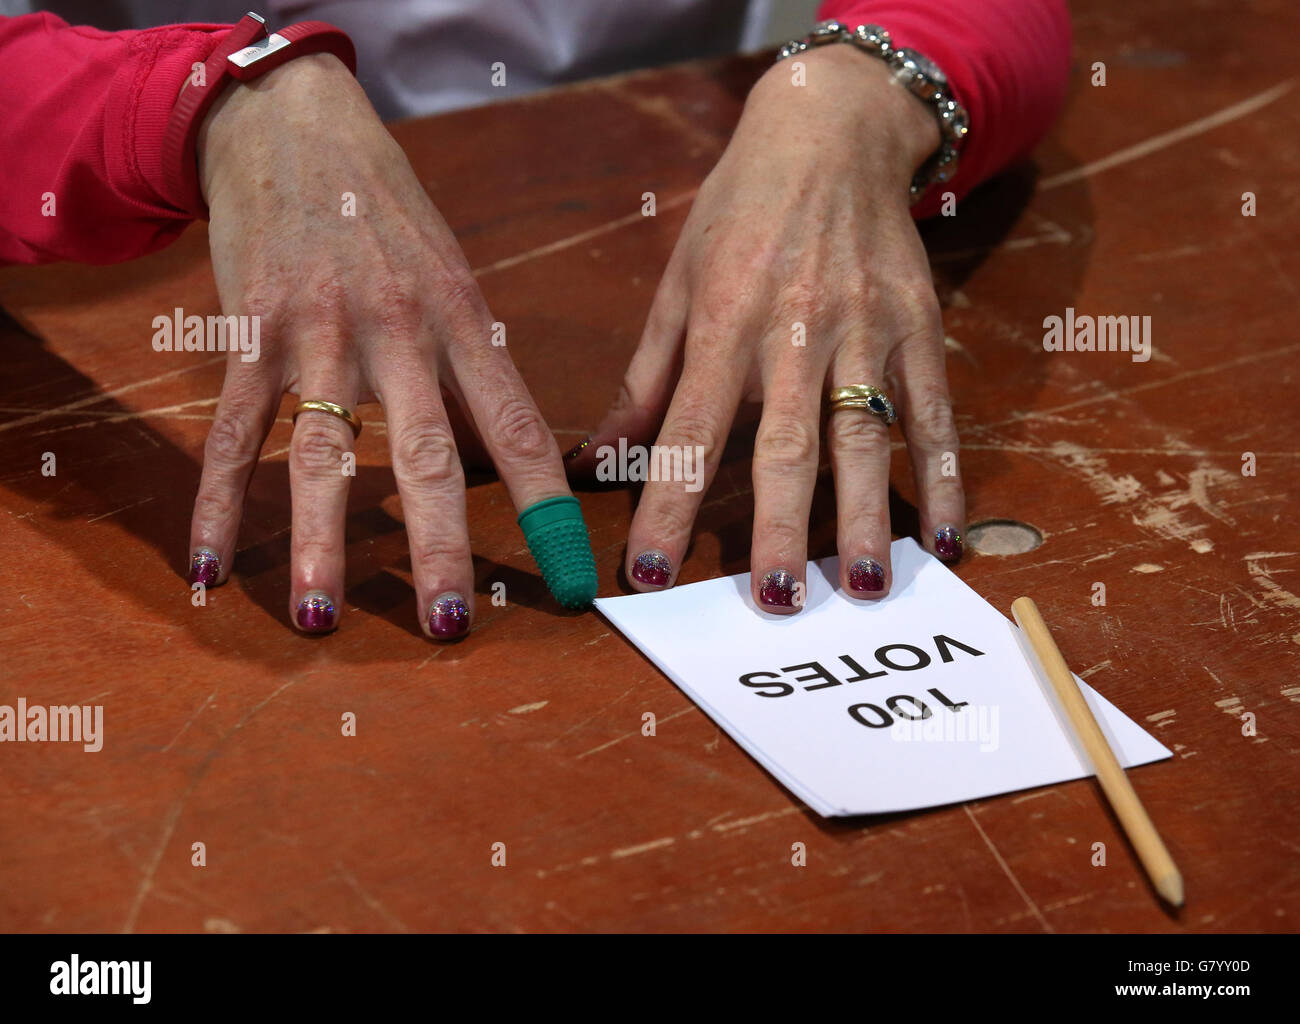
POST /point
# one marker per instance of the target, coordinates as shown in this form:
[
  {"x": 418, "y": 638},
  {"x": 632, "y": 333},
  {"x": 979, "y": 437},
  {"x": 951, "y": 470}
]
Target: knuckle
[
  {"x": 714, "y": 315},
  {"x": 934, "y": 428},
  {"x": 695, "y": 426},
  {"x": 438, "y": 551},
  {"x": 312, "y": 544},
  {"x": 317, "y": 445},
  {"x": 266, "y": 303},
  {"x": 399, "y": 308},
  {"x": 756, "y": 264},
  {"x": 780, "y": 534},
  {"x": 424, "y": 453},
  {"x": 322, "y": 312},
  {"x": 215, "y": 505},
  {"x": 519, "y": 430},
  {"x": 800, "y": 300},
  {"x": 917, "y": 306},
  {"x": 232, "y": 440},
  {"x": 858, "y": 295},
  {"x": 670, "y": 519},
  {"x": 325, "y": 299},
  {"x": 460, "y": 295},
  {"x": 623, "y": 401},
  {"x": 785, "y": 441}
]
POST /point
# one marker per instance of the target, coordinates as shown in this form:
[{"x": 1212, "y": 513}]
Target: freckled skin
[
  {"x": 363, "y": 295},
  {"x": 805, "y": 220}
]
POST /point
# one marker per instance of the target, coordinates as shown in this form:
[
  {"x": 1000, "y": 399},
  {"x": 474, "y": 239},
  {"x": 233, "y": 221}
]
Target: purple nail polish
[
  {"x": 777, "y": 589},
  {"x": 205, "y": 566},
  {"x": 947, "y": 543},
  {"x": 867, "y": 575},
  {"x": 316, "y": 612},
  {"x": 652, "y": 568},
  {"x": 577, "y": 449},
  {"x": 449, "y": 617}
]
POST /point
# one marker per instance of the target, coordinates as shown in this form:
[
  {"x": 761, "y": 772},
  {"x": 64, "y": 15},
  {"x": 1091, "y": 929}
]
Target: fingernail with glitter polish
[
  {"x": 652, "y": 568},
  {"x": 449, "y": 617},
  {"x": 577, "y": 449},
  {"x": 316, "y": 612},
  {"x": 777, "y": 589},
  {"x": 866, "y": 576},
  {"x": 947, "y": 543},
  {"x": 205, "y": 567}
]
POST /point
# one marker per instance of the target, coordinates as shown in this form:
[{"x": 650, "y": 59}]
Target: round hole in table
[{"x": 1003, "y": 537}]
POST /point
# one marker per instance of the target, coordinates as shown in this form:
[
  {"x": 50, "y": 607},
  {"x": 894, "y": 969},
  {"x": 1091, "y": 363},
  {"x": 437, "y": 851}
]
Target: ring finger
[
  {"x": 318, "y": 481},
  {"x": 860, "y": 447}
]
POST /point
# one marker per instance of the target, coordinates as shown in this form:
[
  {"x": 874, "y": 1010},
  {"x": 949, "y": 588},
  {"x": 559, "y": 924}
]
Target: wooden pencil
[{"x": 1160, "y": 867}]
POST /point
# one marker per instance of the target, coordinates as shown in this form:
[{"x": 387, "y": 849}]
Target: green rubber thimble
[{"x": 558, "y": 539}]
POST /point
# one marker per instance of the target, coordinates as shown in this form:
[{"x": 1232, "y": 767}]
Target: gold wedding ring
[
  {"x": 863, "y": 396},
  {"x": 346, "y": 415}
]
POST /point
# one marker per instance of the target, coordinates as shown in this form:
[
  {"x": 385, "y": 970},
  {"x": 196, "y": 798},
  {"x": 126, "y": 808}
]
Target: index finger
[{"x": 528, "y": 460}]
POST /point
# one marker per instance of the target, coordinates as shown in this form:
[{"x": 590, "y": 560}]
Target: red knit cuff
[{"x": 142, "y": 95}]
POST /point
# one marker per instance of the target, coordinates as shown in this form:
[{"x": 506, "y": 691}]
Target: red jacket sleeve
[
  {"x": 1007, "y": 62},
  {"x": 81, "y": 137}
]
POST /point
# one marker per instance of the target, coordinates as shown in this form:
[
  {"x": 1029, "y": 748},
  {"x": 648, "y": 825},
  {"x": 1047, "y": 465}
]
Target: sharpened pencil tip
[{"x": 1171, "y": 888}]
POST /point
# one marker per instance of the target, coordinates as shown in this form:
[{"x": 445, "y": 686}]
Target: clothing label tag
[{"x": 252, "y": 54}]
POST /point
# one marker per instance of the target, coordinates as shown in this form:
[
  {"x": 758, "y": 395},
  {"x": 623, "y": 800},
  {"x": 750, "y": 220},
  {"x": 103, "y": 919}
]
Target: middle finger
[{"x": 785, "y": 474}]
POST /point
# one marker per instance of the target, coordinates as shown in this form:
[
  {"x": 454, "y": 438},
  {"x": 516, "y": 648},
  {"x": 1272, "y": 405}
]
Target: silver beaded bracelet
[{"x": 921, "y": 77}]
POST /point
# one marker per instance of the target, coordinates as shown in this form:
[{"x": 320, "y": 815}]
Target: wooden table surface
[{"x": 223, "y": 726}]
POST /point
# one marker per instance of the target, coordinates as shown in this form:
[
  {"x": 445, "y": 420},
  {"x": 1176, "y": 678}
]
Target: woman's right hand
[{"x": 377, "y": 306}]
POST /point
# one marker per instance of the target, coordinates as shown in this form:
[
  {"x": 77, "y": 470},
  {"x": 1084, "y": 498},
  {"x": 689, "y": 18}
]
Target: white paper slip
[{"x": 920, "y": 699}]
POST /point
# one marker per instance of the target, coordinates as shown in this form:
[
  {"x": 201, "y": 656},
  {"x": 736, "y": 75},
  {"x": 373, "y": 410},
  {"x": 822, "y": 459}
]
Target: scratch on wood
[
  {"x": 1170, "y": 138},
  {"x": 1006, "y": 869},
  {"x": 105, "y": 515},
  {"x": 174, "y": 812},
  {"x": 619, "y": 739},
  {"x": 632, "y": 851},
  {"x": 743, "y": 823},
  {"x": 372, "y": 902},
  {"x": 105, "y": 395},
  {"x": 189, "y": 721},
  {"x": 1274, "y": 592},
  {"x": 582, "y": 236}
]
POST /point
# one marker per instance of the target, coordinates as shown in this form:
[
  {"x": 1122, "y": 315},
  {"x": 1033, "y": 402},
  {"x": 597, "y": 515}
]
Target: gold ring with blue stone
[{"x": 864, "y": 396}]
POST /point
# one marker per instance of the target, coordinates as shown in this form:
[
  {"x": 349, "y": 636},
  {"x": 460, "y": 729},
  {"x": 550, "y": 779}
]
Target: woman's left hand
[{"x": 799, "y": 269}]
